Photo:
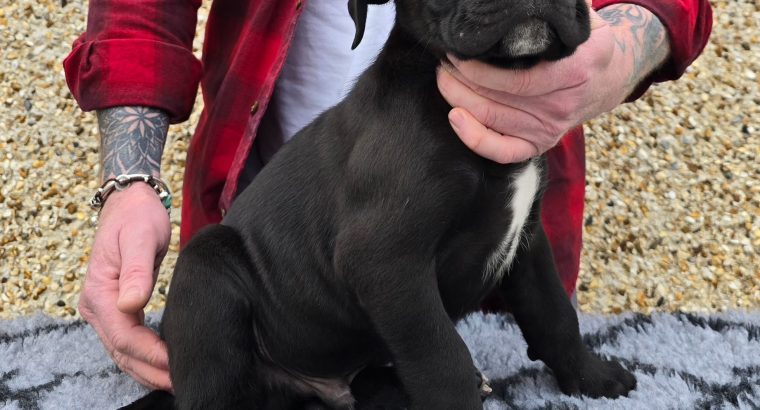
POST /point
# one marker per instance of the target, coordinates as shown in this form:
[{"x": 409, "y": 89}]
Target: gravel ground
[{"x": 673, "y": 202}]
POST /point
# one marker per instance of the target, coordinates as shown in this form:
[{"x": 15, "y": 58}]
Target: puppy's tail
[{"x": 155, "y": 400}]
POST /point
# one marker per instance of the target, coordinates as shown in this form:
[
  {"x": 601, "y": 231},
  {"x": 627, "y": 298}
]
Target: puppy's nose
[{"x": 530, "y": 37}]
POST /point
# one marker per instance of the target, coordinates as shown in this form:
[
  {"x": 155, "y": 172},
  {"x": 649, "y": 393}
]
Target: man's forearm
[
  {"x": 640, "y": 36},
  {"x": 132, "y": 140}
]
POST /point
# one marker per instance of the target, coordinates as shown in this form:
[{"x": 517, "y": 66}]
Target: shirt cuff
[{"x": 133, "y": 72}]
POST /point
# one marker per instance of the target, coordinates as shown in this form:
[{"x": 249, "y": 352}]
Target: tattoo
[
  {"x": 132, "y": 140},
  {"x": 640, "y": 34}
]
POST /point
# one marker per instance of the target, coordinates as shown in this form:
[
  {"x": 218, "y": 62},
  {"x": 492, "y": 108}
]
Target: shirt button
[
  {"x": 299, "y": 3},
  {"x": 255, "y": 108}
]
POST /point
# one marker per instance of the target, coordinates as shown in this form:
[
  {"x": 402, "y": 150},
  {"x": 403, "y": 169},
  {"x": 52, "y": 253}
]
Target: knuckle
[
  {"x": 144, "y": 234},
  {"x": 473, "y": 144},
  {"x": 552, "y": 125},
  {"x": 136, "y": 273},
  {"x": 565, "y": 110},
  {"x": 489, "y": 115},
  {"x": 153, "y": 354},
  {"x": 156, "y": 357},
  {"x": 479, "y": 89},
  {"x": 507, "y": 157},
  {"x": 554, "y": 129},
  {"x": 86, "y": 312},
  {"x": 121, "y": 360},
  {"x": 473, "y": 140},
  {"x": 84, "y": 306},
  {"x": 120, "y": 343},
  {"x": 158, "y": 383},
  {"x": 578, "y": 76},
  {"x": 153, "y": 359},
  {"x": 102, "y": 253},
  {"x": 551, "y": 130},
  {"x": 522, "y": 83},
  {"x": 504, "y": 158}
]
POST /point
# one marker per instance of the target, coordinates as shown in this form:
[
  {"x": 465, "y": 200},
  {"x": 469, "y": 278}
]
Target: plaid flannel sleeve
[
  {"x": 136, "y": 53},
  {"x": 689, "y": 24}
]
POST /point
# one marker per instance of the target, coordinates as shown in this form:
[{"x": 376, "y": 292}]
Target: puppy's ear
[{"x": 358, "y": 11}]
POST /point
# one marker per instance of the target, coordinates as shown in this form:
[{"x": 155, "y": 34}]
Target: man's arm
[
  {"x": 688, "y": 24},
  {"x": 134, "y": 55},
  {"x": 131, "y": 241},
  {"x": 640, "y": 37},
  {"x": 132, "y": 140}
]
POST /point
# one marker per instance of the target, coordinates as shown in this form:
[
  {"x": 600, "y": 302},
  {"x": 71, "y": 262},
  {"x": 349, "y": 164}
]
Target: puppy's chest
[{"x": 508, "y": 232}]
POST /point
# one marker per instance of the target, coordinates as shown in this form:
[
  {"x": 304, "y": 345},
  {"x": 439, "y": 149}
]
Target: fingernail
[
  {"x": 452, "y": 58},
  {"x": 456, "y": 119},
  {"x": 447, "y": 66}
]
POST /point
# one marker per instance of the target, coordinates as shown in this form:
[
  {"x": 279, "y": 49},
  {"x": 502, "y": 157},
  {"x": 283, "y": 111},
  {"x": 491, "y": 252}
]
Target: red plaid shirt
[{"x": 139, "y": 53}]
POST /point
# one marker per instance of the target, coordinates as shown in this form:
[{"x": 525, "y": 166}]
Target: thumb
[{"x": 136, "y": 279}]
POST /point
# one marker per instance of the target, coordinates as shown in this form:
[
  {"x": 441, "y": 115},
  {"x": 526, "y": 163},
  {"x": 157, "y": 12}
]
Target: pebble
[
  {"x": 678, "y": 169},
  {"x": 701, "y": 217},
  {"x": 49, "y": 163}
]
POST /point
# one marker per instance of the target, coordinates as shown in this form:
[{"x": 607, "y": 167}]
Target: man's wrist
[
  {"x": 132, "y": 140},
  {"x": 124, "y": 182},
  {"x": 640, "y": 38}
]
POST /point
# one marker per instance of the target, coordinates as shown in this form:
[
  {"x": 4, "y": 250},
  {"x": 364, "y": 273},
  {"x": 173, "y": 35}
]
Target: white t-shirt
[{"x": 319, "y": 71}]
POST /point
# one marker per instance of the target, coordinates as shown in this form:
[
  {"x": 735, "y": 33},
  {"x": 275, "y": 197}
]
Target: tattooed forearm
[
  {"x": 640, "y": 35},
  {"x": 131, "y": 140}
]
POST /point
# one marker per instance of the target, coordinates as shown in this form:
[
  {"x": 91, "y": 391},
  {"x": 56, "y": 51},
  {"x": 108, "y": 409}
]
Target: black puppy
[{"x": 375, "y": 229}]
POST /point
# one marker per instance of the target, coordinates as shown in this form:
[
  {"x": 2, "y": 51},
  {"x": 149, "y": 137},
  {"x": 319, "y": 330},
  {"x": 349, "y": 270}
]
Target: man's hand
[
  {"x": 131, "y": 240},
  {"x": 512, "y": 115}
]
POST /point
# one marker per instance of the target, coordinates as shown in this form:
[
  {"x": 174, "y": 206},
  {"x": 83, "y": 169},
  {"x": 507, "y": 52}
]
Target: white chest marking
[{"x": 524, "y": 189}]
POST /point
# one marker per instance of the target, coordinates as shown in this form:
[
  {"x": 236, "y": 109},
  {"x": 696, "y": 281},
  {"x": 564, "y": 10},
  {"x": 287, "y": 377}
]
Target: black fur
[{"x": 366, "y": 237}]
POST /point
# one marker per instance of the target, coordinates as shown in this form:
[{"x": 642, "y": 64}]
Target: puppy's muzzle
[
  {"x": 531, "y": 37},
  {"x": 518, "y": 33}
]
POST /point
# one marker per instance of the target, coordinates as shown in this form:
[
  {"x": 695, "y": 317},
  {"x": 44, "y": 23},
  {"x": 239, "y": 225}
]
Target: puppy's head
[{"x": 506, "y": 33}]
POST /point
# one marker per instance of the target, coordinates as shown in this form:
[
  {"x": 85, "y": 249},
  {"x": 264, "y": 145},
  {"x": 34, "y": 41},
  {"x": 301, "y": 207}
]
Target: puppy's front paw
[{"x": 599, "y": 378}]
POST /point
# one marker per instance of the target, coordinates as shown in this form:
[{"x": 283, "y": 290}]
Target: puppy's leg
[
  {"x": 550, "y": 325},
  {"x": 392, "y": 273},
  {"x": 208, "y": 324}
]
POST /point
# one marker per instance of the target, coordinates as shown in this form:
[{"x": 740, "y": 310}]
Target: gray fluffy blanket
[{"x": 681, "y": 361}]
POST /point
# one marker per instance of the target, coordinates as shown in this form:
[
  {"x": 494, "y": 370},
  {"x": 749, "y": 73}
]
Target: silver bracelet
[{"x": 122, "y": 182}]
